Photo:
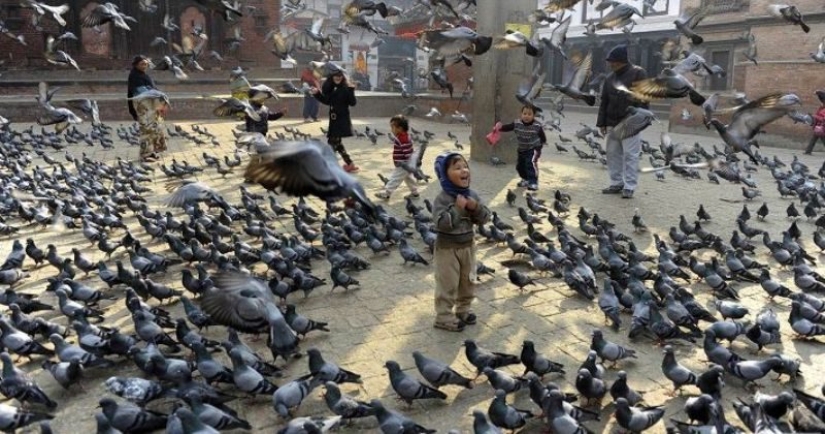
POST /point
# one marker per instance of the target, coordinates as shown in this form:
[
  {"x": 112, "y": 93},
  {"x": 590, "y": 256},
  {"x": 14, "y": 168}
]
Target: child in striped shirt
[
  {"x": 402, "y": 154},
  {"x": 531, "y": 138}
]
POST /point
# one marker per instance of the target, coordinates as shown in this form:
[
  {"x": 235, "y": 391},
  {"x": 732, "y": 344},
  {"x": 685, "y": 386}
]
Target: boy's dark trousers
[{"x": 527, "y": 164}]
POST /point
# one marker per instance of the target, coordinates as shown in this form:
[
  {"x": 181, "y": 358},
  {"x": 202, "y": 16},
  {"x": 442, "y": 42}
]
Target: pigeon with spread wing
[
  {"x": 153, "y": 100},
  {"x": 221, "y": 6},
  {"x": 241, "y": 302},
  {"x": 574, "y": 87},
  {"x": 530, "y": 87},
  {"x": 554, "y": 6},
  {"x": 304, "y": 168},
  {"x": 454, "y": 42},
  {"x": 229, "y": 107},
  {"x": 668, "y": 84},
  {"x": 105, "y": 13},
  {"x": 58, "y": 57},
  {"x": 88, "y": 107},
  {"x": 635, "y": 122},
  {"x": 687, "y": 22},
  {"x": 283, "y": 46},
  {"x": 748, "y": 119}
]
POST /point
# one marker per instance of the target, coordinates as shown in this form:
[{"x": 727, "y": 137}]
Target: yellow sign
[{"x": 525, "y": 29}]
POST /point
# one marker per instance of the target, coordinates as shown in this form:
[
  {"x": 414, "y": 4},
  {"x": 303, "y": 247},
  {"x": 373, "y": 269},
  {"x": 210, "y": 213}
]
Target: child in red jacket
[
  {"x": 819, "y": 123},
  {"x": 402, "y": 152}
]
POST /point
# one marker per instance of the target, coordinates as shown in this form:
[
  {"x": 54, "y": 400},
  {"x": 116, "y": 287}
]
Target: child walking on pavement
[
  {"x": 403, "y": 153},
  {"x": 339, "y": 94},
  {"x": 531, "y": 138},
  {"x": 262, "y": 126},
  {"x": 456, "y": 209}
]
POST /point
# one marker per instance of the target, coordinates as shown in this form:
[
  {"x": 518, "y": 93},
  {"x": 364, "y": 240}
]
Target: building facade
[
  {"x": 644, "y": 43},
  {"x": 109, "y": 47},
  {"x": 784, "y": 62}
]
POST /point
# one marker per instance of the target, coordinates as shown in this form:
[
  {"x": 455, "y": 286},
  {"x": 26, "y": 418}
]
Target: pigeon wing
[
  {"x": 559, "y": 35},
  {"x": 748, "y": 119},
  {"x": 582, "y": 72},
  {"x": 298, "y": 168},
  {"x": 697, "y": 17},
  {"x": 239, "y": 301},
  {"x": 99, "y": 15}
]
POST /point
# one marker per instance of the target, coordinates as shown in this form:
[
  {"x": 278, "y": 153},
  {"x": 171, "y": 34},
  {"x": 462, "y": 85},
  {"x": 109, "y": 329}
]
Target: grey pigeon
[
  {"x": 329, "y": 371},
  {"x": 219, "y": 418},
  {"x": 136, "y": 390},
  {"x": 65, "y": 373},
  {"x": 589, "y": 386},
  {"x": 506, "y": 416},
  {"x": 536, "y": 363},
  {"x": 437, "y": 373},
  {"x": 482, "y": 358},
  {"x": 130, "y": 418},
  {"x": 391, "y": 422},
  {"x": 676, "y": 373},
  {"x": 290, "y": 395},
  {"x": 501, "y": 380},
  {"x": 13, "y": 418},
  {"x": 247, "y": 379},
  {"x": 409, "y": 388},
  {"x": 304, "y": 169},
  {"x": 189, "y": 423},
  {"x": 17, "y": 384},
  {"x": 483, "y": 426},
  {"x": 620, "y": 389},
  {"x": 608, "y": 350},
  {"x": 637, "y": 419},
  {"x": 344, "y": 405}
]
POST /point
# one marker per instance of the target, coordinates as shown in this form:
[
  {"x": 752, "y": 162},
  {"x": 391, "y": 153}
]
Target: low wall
[{"x": 188, "y": 107}]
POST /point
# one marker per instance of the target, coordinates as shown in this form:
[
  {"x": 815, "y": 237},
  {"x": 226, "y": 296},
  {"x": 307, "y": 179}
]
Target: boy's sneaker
[
  {"x": 533, "y": 187},
  {"x": 383, "y": 195},
  {"x": 627, "y": 194},
  {"x": 413, "y": 195},
  {"x": 523, "y": 183}
]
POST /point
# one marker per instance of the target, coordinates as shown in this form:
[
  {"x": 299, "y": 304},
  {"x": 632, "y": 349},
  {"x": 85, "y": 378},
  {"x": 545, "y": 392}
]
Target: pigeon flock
[{"x": 204, "y": 271}]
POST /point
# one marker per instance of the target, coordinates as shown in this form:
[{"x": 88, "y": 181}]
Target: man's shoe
[
  {"x": 627, "y": 194},
  {"x": 523, "y": 183},
  {"x": 613, "y": 189},
  {"x": 533, "y": 187},
  {"x": 468, "y": 318},
  {"x": 807, "y": 152}
]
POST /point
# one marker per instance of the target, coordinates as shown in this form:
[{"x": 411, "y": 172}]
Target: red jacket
[
  {"x": 819, "y": 117},
  {"x": 402, "y": 148},
  {"x": 309, "y": 78}
]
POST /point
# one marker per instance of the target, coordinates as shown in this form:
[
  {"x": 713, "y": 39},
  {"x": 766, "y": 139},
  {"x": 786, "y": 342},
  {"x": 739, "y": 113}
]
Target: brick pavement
[{"x": 391, "y": 314}]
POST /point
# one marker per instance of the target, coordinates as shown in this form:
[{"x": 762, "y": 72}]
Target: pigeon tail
[
  {"x": 696, "y": 98},
  {"x": 696, "y": 39},
  {"x": 590, "y": 100},
  {"x": 382, "y": 9},
  {"x": 532, "y": 50},
  {"x": 805, "y": 27}
]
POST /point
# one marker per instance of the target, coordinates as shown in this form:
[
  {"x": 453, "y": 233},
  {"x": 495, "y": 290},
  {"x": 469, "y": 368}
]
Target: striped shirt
[
  {"x": 402, "y": 148},
  {"x": 529, "y": 136}
]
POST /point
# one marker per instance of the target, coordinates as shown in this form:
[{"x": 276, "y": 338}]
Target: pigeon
[
  {"x": 676, "y": 373},
  {"x": 608, "y": 350},
  {"x": 344, "y": 405},
  {"x": 637, "y": 419},
  {"x": 505, "y": 416},
  {"x": 620, "y": 389},
  {"x": 439, "y": 374},
  {"x": 290, "y": 395},
  {"x": 408, "y": 388},
  {"x": 687, "y": 22},
  {"x": 482, "y": 358},
  {"x": 790, "y": 14},
  {"x": 305, "y": 168},
  {"x": 135, "y": 390},
  {"x": 748, "y": 119},
  {"x": 668, "y": 84},
  {"x": 13, "y": 418},
  {"x": 536, "y": 363},
  {"x": 130, "y": 418},
  {"x": 391, "y": 422},
  {"x": 575, "y": 86},
  {"x": 750, "y": 53},
  {"x": 329, "y": 371}
]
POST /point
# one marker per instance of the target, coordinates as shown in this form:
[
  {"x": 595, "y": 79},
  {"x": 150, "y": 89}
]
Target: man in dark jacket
[{"x": 622, "y": 155}]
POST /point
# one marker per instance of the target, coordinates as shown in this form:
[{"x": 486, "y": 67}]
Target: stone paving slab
[{"x": 391, "y": 314}]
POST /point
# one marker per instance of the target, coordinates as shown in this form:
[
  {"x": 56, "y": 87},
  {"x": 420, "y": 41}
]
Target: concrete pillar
[{"x": 496, "y": 76}]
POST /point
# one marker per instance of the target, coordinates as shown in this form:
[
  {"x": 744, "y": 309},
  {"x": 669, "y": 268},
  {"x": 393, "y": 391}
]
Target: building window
[
  {"x": 659, "y": 8},
  {"x": 261, "y": 21},
  {"x": 13, "y": 17},
  {"x": 721, "y": 58},
  {"x": 589, "y": 12},
  {"x": 720, "y": 6}
]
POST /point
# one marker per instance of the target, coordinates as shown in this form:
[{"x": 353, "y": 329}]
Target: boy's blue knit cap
[{"x": 618, "y": 54}]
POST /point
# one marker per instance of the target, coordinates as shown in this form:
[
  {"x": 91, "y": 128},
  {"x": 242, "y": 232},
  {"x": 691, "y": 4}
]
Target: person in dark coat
[
  {"x": 152, "y": 133},
  {"x": 339, "y": 94},
  {"x": 622, "y": 155}
]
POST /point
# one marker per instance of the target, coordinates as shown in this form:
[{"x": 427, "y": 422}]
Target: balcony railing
[{"x": 722, "y": 6}]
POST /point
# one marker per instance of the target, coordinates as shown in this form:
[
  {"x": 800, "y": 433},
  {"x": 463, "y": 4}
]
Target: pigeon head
[
  {"x": 392, "y": 366},
  {"x": 821, "y": 95}
]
